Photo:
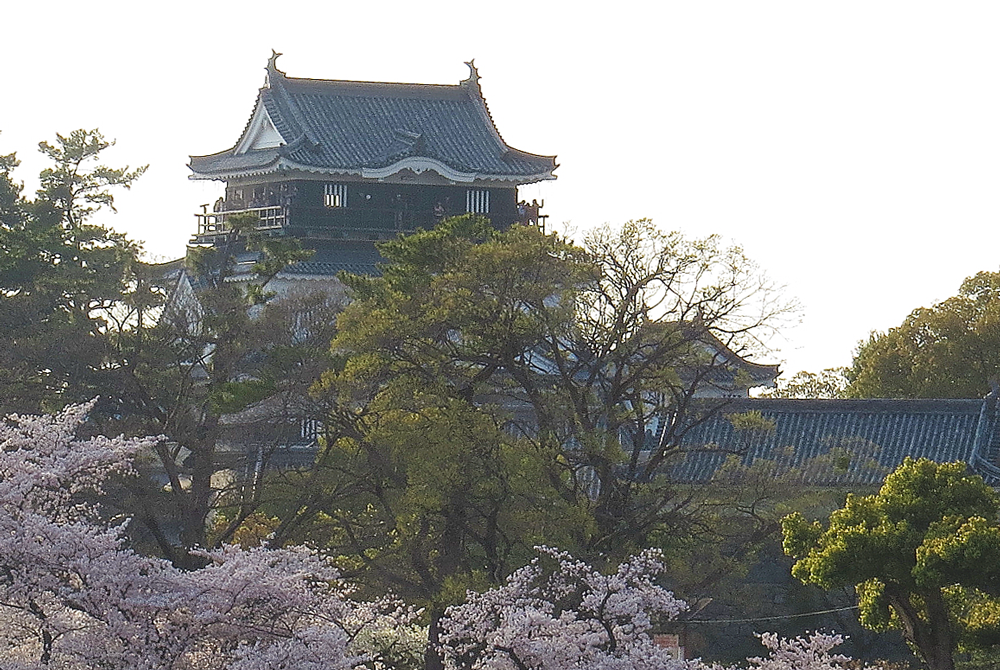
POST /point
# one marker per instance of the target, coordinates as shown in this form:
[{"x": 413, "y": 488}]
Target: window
[
  {"x": 309, "y": 429},
  {"x": 477, "y": 201},
  {"x": 335, "y": 195}
]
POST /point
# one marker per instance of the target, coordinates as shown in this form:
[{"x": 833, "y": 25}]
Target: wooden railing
[
  {"x": 327, "y": 222},
  {"x": 217, "y": 223}
]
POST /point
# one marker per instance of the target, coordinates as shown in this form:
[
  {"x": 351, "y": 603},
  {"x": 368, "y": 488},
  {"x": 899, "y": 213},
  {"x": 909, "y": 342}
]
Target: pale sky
[{"x": 850, "y": 147}]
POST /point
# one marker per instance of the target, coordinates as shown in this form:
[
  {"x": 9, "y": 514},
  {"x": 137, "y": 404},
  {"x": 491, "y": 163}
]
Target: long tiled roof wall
[{"x": 845, "y": 442}]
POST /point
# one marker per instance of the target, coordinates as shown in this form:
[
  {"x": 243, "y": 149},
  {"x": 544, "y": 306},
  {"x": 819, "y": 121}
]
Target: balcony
[
  {"x": 212, "y": 225},
  {"x": 363, "y": 222}
]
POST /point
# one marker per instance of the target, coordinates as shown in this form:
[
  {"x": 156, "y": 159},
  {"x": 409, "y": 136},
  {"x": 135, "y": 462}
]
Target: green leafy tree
[
  {"x": 829, "y": 383},
  {"x": 922, "y": 555},
  {"x": 949, "y": 350},
  {"x": 204, "y": 354},
  {"x": 61, "y": 276},
  {"x": 419, "y": 487},
  {"x": 498, "y": 388},
  {"x": 82, "y": 316}
]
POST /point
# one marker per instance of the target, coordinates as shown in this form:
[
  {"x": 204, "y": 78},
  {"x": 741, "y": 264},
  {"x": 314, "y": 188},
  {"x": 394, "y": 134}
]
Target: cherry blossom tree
[
  {"x": 811, "y": 652},
  {"x": 559, "y": 613},
  {"x": 73, "y": 595}
]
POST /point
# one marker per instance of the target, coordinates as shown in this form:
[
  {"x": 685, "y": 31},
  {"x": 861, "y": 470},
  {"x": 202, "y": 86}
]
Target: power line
[{"x": 773, "y": 618}]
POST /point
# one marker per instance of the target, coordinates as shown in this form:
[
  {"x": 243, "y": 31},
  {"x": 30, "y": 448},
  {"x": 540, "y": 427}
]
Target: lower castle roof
[{"x": 844, "y": 442}]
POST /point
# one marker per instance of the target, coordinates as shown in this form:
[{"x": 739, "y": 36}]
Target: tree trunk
[
  {"x": 197, "y": 501},
  {"x": 934, "y": 637},
  {"x": 448, "y": 563},
  {"x": 432, "y": 655},
  {"x": 942, "y": 643}
]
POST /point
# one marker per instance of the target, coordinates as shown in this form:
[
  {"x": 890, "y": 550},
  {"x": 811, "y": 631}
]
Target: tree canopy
[
  {"x": 497, "y": 389},
  {"x": 948, "y": 350},
  {"x": 73, "y": 596},
  {"x": 206, "y": 353},
  {"x": 829, "y": 383},
  {"x": 84, "y": 317},
  {"x": 922, "y": 553},
  {"x": 61, "y": 276}
]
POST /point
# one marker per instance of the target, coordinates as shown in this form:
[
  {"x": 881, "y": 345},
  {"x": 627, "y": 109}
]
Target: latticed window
[
  {"x": 477, "y": 201},
  {"x": 335, "y": 195},
  {"x": 309, "y": 429}
]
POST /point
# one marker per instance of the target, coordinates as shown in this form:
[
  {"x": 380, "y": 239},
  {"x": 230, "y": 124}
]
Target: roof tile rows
[
  {"x": 845, "y": 442},
  {"x": 349, "y": 126}
]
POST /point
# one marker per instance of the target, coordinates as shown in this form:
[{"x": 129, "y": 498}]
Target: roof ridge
[
  {"x": 866, "y": 405},
  {"x": 314, "y": 80},
  {"x": 272, "y": 72}
]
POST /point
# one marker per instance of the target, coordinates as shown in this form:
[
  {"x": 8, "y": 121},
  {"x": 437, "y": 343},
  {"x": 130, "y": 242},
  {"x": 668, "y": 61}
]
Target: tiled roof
[
  {"x": 758, "y": 372},
  {"x": 328, "y": 259},
  {"x": 347, "y": 127},
  {"x": 723, "y": 367},
  {"x": 845, "y": 442},
  {"x": 329, "y": 269}
]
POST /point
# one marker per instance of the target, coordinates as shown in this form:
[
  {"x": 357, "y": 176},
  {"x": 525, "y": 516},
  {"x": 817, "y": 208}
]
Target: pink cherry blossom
[
  {"x": 559, "y": 613},
  {"x": 74, "y": 596}
]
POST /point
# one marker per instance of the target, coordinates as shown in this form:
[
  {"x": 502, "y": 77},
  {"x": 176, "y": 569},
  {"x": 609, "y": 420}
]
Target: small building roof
[
  {"x": 328, "y": 259},
  {"x": 845, "y": 442},
  {"x": 728, "y": 365},
  {"x": 373, "y": 130},
  {"x": 721, "y": 370}
]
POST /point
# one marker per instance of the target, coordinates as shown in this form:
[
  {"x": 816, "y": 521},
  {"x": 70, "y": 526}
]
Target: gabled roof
[
  {"x": 719, "y": 367},
  {"x": 373, "y": 129},
  {"x": 846, "y": 442},
  {"x": 727, "y": 365}
]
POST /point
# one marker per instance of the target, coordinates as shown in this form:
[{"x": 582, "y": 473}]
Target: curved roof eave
[
  {"x": 475, "y": 92},
  {"x": 232, "y": 151},
  {"x": 415, "y": 164},
  {"x": 268, "y": 165},
  {"x": 420, "y": 164}
]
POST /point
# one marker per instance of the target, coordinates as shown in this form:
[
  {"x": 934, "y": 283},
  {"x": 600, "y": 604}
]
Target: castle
[{"x": 341, "y": 165}]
